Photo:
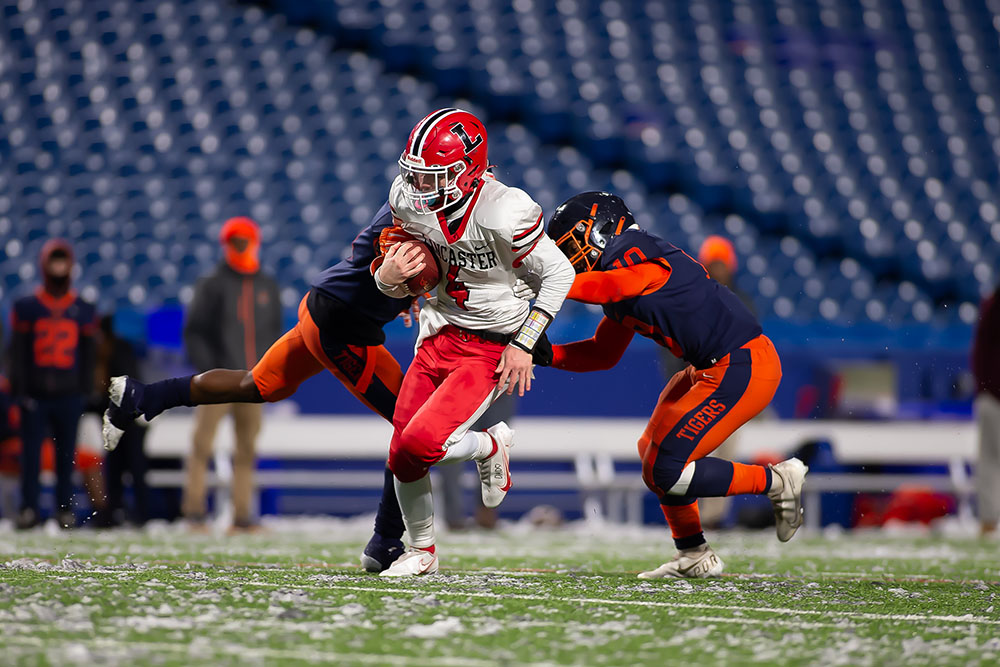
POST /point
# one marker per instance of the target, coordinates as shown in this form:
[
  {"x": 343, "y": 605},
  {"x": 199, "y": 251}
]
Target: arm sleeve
[
  {"x": 519, "y": 222},
  {"x": 199, "y": 338},
  {"x": 20, "y": 354},
  {"x": 555, "y": 272},
  {"x": 599, "y": 353},
  {"x": 620, "y": 284}
]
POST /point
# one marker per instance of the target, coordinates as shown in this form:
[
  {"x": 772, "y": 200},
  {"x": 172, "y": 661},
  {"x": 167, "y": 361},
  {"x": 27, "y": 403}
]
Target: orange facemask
[{"x": 246, "y": 260}]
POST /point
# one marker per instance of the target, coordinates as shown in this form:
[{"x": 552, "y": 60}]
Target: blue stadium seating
[
  {"x": 856, "y": 175},
  {"x": 867, "y": 130}
]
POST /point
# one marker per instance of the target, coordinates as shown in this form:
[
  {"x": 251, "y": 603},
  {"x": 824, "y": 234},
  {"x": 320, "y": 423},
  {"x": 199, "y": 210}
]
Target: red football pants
[{"x": 447, "y": 387}]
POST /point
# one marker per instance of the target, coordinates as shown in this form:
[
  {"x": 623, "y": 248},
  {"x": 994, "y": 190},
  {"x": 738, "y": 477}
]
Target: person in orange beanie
[{"x": 233, "y": 318}]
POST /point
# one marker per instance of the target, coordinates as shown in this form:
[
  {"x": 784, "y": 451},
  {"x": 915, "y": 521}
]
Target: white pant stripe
[{"x": 683, "y": 482}]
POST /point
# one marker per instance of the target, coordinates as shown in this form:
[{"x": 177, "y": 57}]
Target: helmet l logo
[{"x": 470, "y": 144}]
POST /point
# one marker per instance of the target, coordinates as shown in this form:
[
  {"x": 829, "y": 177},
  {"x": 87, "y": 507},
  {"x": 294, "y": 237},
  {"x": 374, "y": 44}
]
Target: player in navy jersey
[
  {"x": 340, "y": 329},
  {"x": 648, "y": 286},
  {"x": 52, "y": 369}
]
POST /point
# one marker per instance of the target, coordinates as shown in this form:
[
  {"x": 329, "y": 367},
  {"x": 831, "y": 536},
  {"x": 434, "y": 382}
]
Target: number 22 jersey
[{"x": 52, "y": 351}]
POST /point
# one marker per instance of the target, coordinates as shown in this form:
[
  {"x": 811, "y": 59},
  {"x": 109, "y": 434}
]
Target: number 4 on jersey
[{"x": 456, "y": 289}]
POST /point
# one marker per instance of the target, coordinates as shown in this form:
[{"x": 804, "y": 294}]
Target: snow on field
[{"x": 516, "y": 596}]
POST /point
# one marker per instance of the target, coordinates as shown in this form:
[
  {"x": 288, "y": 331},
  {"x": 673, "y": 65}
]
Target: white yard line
[
  {"x": 969, "y": 618},
  {"x": 888, "y": 576}
]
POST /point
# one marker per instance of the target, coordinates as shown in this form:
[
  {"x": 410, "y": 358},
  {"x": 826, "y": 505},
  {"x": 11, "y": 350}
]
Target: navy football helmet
[{"x": 584, "y": 223}]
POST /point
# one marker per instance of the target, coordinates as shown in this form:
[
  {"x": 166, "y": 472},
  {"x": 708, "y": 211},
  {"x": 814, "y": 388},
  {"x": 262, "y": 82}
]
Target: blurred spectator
[
  {"x": 452, "y": 493},
  {"x": 88, "y": 463},
  {"x": 986, "y": 369},
  {"x": 115, "y": 356},
  {"x": 719, "y": 258},
  {"x": 52, "y": 366},
  {"x": 234, "y": 317}
]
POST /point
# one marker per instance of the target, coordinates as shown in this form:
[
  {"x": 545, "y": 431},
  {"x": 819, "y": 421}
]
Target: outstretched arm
[
  {"x": 599, "y": 353},
  {"x": 619, "y": 284}
]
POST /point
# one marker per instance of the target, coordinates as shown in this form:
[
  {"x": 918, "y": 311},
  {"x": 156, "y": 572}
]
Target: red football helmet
[{"x": 444, "y": 159}]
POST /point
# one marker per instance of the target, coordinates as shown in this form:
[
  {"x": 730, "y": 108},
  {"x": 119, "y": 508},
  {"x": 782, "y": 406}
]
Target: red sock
[
  {"x": 747, "y": 479},
  {"x": 684, "y": 520},
  {"x": 429, "y": 549}
]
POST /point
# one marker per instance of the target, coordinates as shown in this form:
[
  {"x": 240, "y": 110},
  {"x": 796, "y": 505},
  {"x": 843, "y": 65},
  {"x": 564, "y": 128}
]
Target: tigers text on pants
[{"x": 696, "y": 412}]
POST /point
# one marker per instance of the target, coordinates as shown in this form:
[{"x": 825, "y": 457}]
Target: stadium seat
[
  {"x": 781, "y": 115},
  {"x": 137, "y": 128}
]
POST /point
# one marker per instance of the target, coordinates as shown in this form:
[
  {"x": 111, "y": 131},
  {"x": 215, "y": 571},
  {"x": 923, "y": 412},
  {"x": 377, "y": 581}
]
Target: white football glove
[{"x": 526, "y": 288}]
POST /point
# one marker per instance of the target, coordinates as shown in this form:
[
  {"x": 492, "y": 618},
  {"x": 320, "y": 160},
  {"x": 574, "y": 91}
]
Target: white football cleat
[
  {"x": 494, "y": 472},
  {"x": 413, "y": 563},
  {"x": 698, "y": 563},
  {"x": 787, "y": 501}
]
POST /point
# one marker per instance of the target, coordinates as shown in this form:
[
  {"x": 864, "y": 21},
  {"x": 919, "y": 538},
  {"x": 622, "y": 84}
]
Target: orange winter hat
[
  {"x": 240, "y": 226},
  {"x": 718, "y": 249},
  {"x": 247, "y": 260}
]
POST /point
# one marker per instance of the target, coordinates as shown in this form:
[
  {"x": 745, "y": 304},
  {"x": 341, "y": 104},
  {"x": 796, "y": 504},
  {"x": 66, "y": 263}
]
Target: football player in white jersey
[{"x": 476, "y": 337}]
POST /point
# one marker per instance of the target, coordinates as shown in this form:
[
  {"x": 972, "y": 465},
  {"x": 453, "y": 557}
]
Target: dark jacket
[
  {"x": 52, "y": 346},
  {"x": 232, "y": 320},
  {"x": 115, "y": 356},
  {"x": 986, "y": 347}
]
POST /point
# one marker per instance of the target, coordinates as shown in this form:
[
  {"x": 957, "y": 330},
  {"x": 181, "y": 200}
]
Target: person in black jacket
[
  {"x": 52, "y": 366},
  {"x": 116, "y": 356},
  {"x": 234, "y": 317}
]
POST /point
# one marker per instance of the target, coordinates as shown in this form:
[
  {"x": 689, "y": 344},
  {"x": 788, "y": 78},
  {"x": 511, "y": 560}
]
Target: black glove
[{"x": 541, "y": 355}]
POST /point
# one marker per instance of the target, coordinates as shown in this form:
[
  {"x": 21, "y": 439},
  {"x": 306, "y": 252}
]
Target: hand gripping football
[{"x": 428, "y": 276}]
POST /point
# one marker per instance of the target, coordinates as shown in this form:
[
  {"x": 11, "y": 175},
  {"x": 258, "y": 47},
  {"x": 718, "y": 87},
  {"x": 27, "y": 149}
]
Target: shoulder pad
[
  {"x": 398, "y": 205},
  {"x": 505, "y": 208}
]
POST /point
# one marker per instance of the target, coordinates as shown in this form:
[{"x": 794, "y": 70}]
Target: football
[{"x": 429, "y": 276}]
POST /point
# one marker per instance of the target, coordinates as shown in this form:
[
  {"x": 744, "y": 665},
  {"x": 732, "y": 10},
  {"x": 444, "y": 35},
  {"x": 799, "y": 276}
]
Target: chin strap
[{"x": 532, "y": 330}]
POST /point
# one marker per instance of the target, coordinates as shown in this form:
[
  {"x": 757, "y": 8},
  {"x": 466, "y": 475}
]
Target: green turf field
[{"x": 566, "y": 596}]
